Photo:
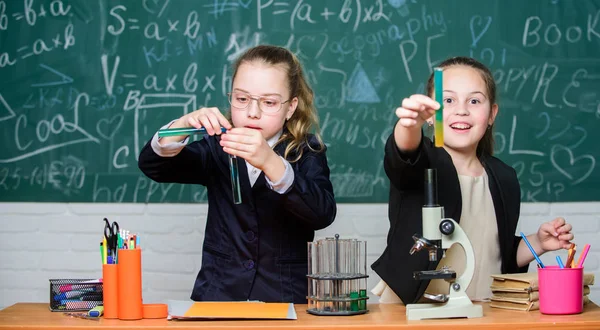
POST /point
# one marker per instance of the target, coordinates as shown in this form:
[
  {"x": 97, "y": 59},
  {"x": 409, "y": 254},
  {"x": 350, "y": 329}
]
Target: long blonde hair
[
  {"x": 485, "y": 147},
  {"x": 305, "y": 117}
]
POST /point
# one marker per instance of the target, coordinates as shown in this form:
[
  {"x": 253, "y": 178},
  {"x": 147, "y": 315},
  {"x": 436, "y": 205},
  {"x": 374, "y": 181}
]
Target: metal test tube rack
[{"x": 337, "y": 276}]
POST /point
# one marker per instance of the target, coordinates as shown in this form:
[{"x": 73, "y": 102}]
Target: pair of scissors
[{"x": 111, "y": 232}]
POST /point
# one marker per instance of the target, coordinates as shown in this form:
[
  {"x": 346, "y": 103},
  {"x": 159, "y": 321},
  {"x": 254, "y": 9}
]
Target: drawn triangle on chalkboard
[
  {"x": 359, "y": 88},
  {"x": 64, "y": 79},
  {"x": 6, "y": 112}
]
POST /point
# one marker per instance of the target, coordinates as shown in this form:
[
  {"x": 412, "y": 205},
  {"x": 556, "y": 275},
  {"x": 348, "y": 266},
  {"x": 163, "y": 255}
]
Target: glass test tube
[
  {"x": 310, "y": 271},
  {"x": 235, "y": 180},
  {"x": 233, "y": 164},
  {"x": 335, "y": 284},
  {"x": 184, "y": 131}
]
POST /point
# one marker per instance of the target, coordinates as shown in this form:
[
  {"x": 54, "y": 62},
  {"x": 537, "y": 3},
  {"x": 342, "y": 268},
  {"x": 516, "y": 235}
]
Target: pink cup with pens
[{"x": 561, "y": 290}]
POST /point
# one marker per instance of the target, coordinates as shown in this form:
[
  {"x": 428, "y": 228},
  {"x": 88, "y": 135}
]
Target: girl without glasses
[
  {"x": 255, "y": 250},
  {"x": 475, "y": 188}
]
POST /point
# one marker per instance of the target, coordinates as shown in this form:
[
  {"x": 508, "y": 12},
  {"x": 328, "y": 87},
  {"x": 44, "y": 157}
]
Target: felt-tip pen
[
  {"x": 559, "y": 261},
  {"x": 537, "y": 258},
  {"x": 96, "y": 311}
]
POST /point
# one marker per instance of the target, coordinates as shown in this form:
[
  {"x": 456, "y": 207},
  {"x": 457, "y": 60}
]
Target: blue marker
[
  {"x": 96, "y": 311},
  {"x": 83, "y": 296},
  {"x": 69, "y": 295},
  {"x": 539, "y": 261},
  {"x": 560, "y": 263}
]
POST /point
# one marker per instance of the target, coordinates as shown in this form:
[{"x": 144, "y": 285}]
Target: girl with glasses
[{"x": 255, "y": 250}]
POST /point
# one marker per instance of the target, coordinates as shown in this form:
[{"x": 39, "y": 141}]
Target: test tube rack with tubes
[{"x": 337, "y": 276}]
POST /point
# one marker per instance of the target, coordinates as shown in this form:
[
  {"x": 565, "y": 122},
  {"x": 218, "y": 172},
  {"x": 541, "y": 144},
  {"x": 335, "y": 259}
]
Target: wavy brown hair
[
  {"x": 305, "y": 117},
  {"x": 485, "y": 147}
]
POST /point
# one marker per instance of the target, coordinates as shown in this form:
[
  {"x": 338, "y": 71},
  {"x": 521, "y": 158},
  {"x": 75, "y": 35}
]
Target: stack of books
[{"x": 520, "y": 291}]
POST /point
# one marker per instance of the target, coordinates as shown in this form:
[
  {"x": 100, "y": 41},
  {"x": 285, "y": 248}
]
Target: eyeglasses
[{"x": 266, "y": 104}]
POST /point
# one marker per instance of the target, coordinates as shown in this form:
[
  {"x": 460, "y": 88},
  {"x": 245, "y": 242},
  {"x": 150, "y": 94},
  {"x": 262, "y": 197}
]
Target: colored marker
[
  {"x": 81, "y": 316},
  {"x": 571, "y": 256},
  {"x": 539, "y": 261},
  {"x": 78, "y": 304},
  {"x": 184, "y": 131},
  {"x": 102, "y": 253},
  {"x": 73, "y": 294},
  {"x": 559, "y": 261},
  {"x": 581, "y": 260},
  {"x": 439, "y": 114},
  {"x": 79, "y": 301},
  {"x": 78, "y": 295},
  {"x": 96, "y": 311},
  {"x": 78, "y": 287}
]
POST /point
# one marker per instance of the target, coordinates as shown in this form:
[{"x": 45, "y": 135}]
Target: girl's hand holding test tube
[
  {"x": 249, "y": 144},
  {"x": 415, "y": 110},
  {"x": 210, "y": 119},
  {"x": 207, "y": 121}
]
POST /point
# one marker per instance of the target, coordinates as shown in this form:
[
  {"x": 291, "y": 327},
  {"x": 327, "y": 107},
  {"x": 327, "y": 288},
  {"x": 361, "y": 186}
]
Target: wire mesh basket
[{"x": 75, "y": 294}]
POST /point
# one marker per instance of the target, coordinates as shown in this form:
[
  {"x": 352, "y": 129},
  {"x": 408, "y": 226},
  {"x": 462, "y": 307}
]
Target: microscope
[{"x": 442, "y": 233}]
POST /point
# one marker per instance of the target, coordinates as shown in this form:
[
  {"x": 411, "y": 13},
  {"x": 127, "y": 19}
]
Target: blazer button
[
  {"x": 249, "y": 264},
  {"x": 250, "y": 235}
]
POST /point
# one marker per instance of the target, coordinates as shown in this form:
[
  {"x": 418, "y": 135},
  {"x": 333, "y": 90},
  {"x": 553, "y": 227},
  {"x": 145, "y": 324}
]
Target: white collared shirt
[{"x": 281, "y": 186}]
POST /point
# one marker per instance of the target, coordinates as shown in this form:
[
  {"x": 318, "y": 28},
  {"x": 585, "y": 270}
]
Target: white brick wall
[{"x": 55, "y": 240}]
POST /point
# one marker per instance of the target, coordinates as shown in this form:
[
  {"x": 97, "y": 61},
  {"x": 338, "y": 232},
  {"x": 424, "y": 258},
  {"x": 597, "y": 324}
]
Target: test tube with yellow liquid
[{"x": 439, "y": 114}]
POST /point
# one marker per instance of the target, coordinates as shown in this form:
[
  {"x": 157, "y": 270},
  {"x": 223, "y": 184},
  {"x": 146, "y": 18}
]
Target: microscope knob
[{"x": 447, "y": 227}]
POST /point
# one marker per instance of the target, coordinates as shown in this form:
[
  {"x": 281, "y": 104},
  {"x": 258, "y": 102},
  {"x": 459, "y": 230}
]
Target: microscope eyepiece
[{"x": 431, "y": 197}]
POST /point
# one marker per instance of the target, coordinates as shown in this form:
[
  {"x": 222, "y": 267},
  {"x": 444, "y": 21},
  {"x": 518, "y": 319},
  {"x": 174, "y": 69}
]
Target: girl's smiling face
[
  {"x": 256, "y": 80},
  {"x": 467, "y": 108}
]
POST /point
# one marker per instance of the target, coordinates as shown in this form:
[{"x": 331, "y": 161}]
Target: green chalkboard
[{"x": 84, "y": 84}]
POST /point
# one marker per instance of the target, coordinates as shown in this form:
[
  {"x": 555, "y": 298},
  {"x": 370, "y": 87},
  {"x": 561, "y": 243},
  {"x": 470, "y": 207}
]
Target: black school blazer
[
  {"x": 256, "y": 250},
  {"x": 406, "y": 173}
]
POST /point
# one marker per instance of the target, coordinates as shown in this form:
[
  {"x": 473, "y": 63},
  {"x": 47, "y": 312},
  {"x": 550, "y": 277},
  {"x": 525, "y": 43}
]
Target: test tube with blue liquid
[
  {"x": 235, "y": 180},
  {"x": 233, "y": 163}
]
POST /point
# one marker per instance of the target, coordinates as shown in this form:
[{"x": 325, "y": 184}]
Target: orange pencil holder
[
  {"x": 129, "y": 277},
  {"x": 109, "y": 293}
]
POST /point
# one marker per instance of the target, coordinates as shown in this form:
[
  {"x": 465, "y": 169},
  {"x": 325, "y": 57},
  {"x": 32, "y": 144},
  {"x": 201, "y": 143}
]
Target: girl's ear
[
  {"x": 291, "y": 108},
  {"x": 493, "y": 114}
]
